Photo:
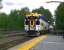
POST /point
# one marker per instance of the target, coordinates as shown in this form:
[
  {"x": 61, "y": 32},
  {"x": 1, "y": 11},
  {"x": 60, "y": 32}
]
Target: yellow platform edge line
[{"x": 31, "y": 43}]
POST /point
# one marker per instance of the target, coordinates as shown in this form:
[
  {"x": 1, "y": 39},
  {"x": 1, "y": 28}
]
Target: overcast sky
[{"x": 8, "y": 5}]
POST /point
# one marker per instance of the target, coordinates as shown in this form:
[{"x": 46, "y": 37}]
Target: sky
[{"x": 9, "y": 5}]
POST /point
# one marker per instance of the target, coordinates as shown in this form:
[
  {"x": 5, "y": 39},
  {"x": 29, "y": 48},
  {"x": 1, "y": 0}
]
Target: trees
[
  {"x": 4, "y": 21},
  {"x": 59, "y": 13},
  {"x": 14, "y": 20},
  {"x": 17, "y": 18},
  {"x": 46, "y": 13}
]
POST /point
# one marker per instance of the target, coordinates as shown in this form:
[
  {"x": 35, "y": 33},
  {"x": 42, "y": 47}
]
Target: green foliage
[
  {"x": 60, "y": 17},
  {"x": 4, "y": 21},
  {"x": 15, "y": 20},
  {"x": 46, "y": 13}
]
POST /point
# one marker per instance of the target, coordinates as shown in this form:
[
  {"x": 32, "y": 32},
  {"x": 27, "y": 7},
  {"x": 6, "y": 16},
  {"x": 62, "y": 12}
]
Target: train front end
[{"x": 32, "y": 24}]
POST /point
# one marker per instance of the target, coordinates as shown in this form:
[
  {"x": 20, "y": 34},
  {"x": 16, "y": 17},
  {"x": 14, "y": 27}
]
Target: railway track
[{"x": 22, "y": 39}]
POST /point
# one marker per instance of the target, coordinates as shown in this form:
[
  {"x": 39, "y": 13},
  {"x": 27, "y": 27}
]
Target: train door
[{"x": 32, "y": 24}]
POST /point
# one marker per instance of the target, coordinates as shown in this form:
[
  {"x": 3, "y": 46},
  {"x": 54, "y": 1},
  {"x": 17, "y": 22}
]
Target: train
[{"x": 35, "y": 24}]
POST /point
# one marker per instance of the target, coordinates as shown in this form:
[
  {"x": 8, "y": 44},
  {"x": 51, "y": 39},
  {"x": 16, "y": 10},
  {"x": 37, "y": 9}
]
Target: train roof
[
  {"x": 33, "y": 14},
  {"x": 43, "y": 18}
]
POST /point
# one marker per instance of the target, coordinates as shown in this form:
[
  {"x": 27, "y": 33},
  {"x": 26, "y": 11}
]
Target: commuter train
[{"x": 35, "y": 24}]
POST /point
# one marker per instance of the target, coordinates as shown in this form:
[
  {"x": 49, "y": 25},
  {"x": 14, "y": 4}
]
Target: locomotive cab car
[{"x": 34, "y": 24}]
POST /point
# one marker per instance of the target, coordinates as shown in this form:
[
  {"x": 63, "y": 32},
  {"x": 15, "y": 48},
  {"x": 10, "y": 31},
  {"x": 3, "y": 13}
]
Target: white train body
[{"x": 35, "y": 23}]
